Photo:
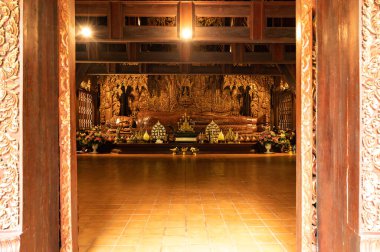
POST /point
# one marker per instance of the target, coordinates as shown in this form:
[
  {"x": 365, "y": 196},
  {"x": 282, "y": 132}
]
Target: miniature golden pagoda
[{"x": 184, "y": 124}]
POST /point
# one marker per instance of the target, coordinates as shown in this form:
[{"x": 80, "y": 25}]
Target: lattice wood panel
[
  {"x": 286, "y": 111},
  {"x": 85, "y": 110}
]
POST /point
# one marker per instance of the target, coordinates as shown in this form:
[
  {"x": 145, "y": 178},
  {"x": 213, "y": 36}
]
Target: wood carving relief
[
  {"x": 114, "y": 88},
  {"x": 231, "y": 95},
  {"x": 370, "y": 121},
  {"x": 314, "y": 170},
  {"x": 66, "y": 127},
  {"x": 10, "y": 125},
  {"x": 305, "y": 141}
]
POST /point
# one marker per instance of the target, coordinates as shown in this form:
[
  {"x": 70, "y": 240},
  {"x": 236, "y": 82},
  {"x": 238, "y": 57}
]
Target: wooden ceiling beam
[
  {"x": 186, "y": 54},
  {"x": 209, "y": 35},
  {"x": 160, "y": 69},
  {"x": 256, "y": 12},
  {"x": 92, "y": 9},
  {"x": 116, "y": 17},
  {"x": 222, "y": 9},
  {"x": 150, "y": 9},
  {"x": 208, "y": 58}
]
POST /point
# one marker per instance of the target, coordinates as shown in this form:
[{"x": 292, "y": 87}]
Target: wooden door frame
[{"x": 362, "y": 141}]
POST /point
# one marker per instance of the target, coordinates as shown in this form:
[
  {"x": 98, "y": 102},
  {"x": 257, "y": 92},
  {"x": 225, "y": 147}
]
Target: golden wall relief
[
  {"x": 126, "y": 95},
  {"x": 258, "y": 88},
  {"x": 10, "y": 124},
  {"x": 114, "y": 88}
]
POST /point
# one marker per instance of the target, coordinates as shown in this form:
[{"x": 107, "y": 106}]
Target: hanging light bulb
[
  {"x": 86, "y": 32},
  {"x": 186, "y": 34}
]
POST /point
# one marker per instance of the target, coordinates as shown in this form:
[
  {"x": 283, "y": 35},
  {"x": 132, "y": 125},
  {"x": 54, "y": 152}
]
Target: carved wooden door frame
[
  {"x": 11, "y": 142},
  {"x": 305, "y": 125}
]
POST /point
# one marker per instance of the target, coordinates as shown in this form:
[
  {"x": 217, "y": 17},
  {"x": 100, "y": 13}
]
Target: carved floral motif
[
  {"x": 10, "y": 103},
  {"x": 305, "y": 130},
  {"x": 370, "y": 121},
  {"x": 10, "y": 124},
  {"x": 10, "y": 245},
  {"x": 66, "y": 128},
  {"x": 314, "y": 169}
]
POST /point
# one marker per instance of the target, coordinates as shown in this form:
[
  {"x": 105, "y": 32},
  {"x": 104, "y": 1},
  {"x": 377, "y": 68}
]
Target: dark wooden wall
[
  {"x": 40, "y": 114},
  {"x": 338, "y": 124}
]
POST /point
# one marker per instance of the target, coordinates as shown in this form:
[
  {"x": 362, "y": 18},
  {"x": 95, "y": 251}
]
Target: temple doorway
[
  {"x": 39, "y": 97},
  {"x": 187, "y": 145}
]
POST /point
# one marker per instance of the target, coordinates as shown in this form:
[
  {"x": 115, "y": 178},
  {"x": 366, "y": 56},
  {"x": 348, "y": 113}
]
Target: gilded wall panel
[{"x": 124, "y": 95}]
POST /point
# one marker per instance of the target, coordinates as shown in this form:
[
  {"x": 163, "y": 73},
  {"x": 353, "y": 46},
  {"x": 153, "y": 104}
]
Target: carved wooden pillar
[
  {"x": 370, "y": 126},
  {"x": 348, "y": 133},
  {"x": 304, "y": 118},
  {"x": 11, "y": 101},
  {"x": 67, "y": 123}
]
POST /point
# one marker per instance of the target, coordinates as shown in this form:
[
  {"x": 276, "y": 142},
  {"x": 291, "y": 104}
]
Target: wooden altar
[{"x": 151, "y": 148}]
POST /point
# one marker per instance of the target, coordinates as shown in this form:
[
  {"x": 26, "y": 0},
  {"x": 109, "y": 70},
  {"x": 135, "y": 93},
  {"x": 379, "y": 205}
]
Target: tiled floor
[{"x": 162, "y": 203}]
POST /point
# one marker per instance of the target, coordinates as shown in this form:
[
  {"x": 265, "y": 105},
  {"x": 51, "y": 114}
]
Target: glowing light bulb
[
  {"x": 186, "y": 33},
  {"x": 86, "y": 32}
]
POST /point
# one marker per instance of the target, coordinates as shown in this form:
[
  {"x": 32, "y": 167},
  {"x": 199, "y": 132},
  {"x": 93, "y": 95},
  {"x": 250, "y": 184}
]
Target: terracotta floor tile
[
  {"x": 174, "y": 249},
  {"x": 254, "y": 223},
  {"x": 250, "y": 216},
  {"x": 83, "y": 248},
  {"x": 133, "y": 231},
  {"x": 247, "y": 248},
  {"x": 124, "y": 249},
  {"x": 108, "y": 240},
  {"x": 86, "y": 239},
  {"x": 174, "y": 240},
  {"x": 290, "y": 248},
  {"x": 272, "y": 248},
  {"x": 100, "y": 249},
  {"x": 128, "y": 240},
  {"x": 185, "y": 205},
  {"x": 264, "y": 238}
]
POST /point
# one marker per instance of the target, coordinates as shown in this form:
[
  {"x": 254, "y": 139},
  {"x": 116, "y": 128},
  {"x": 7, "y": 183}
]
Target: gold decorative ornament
[
  {"x": 184, "y": 150},
  {"x": 86, "y": 85},
  {"x": 184, "y": 124},
  {"x": 158, "y": 132},
  {"x": 221, "y": 136},
  {"x": 194, "y": 150},
  {"x": 212, "y": 132},
  {"x": 146, "y": 136},
  {"x": 230, "y": 136},
  {"x": 237, "y": 138},
  {"x": 174, "y": 150}
]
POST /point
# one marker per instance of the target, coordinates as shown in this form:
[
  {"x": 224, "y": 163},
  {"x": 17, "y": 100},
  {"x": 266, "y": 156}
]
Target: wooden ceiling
[{"x": 229, "y": 37}]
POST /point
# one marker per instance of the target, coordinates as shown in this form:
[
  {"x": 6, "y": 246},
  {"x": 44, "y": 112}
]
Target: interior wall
[
  {"x": 338, "y": 124},
  {"x": 231, "y": 96},
  {"x": 40, "y": 182}
]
